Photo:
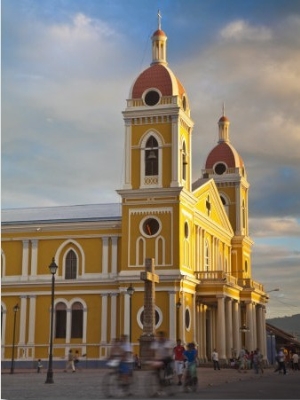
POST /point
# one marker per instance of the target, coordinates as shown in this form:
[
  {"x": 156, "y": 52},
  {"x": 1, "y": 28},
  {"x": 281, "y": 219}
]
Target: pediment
[{"x": 209, "y": 204}]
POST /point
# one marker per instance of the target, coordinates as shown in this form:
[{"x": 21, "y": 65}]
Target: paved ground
[{"x": 87, "y": 384}]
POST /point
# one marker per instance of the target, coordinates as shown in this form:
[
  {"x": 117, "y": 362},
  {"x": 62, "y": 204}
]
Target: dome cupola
[{"x": 223, "y": 156}]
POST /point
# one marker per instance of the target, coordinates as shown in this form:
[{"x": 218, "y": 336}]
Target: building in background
[{"x": 196, "y": 232}]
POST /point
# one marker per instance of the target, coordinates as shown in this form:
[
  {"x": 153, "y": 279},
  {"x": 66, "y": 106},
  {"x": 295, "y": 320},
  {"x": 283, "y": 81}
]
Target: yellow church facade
[{"x": 196, "y": 233}]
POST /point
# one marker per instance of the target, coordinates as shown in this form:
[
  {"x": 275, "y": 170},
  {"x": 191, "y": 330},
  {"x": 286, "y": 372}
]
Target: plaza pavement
[{"x": 87, "y": 384}]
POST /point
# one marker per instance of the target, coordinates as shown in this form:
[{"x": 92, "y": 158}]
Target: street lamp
[
  {"x": 53, "y": 268},
  {"x": 12, "y": 367},
  {"x": 130, "y": 291},
  {"x": 178, "y": 305}
]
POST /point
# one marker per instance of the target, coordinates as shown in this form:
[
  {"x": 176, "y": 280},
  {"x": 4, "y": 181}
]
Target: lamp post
[
  {"x": 130, "y": 291},
  {"x": 273, "y": 290},
  {"x": 12, "y": 367},
  {"x": 178, "y": 305},
  {"x": 272, "y": 356},
  {"x": 53, "y": 268}
]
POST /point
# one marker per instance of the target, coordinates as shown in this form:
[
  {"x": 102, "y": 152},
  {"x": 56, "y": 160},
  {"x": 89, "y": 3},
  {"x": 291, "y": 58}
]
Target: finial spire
[
  {"x": 223, "y": 109},
  {"x": 159, "y": 19}
]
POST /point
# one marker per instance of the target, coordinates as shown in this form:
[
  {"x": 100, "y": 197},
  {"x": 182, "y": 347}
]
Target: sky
[{"x": 68, "y": 66}]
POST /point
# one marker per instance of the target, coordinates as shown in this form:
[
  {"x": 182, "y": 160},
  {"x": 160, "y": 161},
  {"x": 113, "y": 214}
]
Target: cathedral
[{"x": 195, "y": 233}]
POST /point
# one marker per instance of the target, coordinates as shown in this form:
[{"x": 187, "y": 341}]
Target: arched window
[
  {"x": 225, "y": 203},
  {"x": 206, "y": 256},
  {"x": 71, "y": 265},
  {"x": 77, "y": 320},
  {"x": 60, "y": 320},
  {"x": 2, "y": 313},
  {"x": 151, "y": 157},
  {"x": 244, "y": 214},
  {"x": 184, "y": 161}
]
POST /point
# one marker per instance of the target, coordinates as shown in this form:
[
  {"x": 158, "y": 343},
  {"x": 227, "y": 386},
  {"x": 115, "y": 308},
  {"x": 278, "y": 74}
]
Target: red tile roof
[
  {"x": 224, "y": 152},
  {"x": 156, "y": 76}
]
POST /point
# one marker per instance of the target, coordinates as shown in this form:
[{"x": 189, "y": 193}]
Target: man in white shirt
[{"x": 215, "y": 359}]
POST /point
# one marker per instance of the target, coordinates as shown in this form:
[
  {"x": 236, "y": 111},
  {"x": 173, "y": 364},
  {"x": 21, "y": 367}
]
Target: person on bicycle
[
  {"x": 126, "y": 364},
  {"x": 163, "y": 351},
  {"x": 191, "y": 356}
]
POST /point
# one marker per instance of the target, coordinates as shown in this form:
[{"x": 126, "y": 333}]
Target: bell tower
[
  {"x": 227, "y": 168},
  {"x": 158, "y": 158}
]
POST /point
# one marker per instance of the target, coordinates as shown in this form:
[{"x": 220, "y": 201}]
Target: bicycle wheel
[
  {"x": 151, "y": 384},
  {"x": 107, "y": 381},
  {"x": 168, "y": 384}
]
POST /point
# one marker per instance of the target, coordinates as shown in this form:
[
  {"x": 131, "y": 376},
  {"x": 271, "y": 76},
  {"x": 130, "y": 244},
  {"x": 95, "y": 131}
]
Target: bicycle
[
  {"x": 118, "y": 382},
  {"x": 190, "y": 378},
  {"x": 160, "y": 381}
]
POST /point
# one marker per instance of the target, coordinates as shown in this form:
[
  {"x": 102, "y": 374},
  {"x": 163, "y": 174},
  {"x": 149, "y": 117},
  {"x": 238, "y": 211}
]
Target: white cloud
[
  {"x": 274, "y": 227},
  {"x": 240, "y": 30}
]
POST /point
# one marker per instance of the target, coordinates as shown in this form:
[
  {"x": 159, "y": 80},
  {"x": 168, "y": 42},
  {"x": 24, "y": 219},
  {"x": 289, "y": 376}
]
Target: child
[{"x": 39, "y": 366}]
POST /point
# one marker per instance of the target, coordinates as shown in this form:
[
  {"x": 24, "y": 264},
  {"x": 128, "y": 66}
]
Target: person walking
[
  {"x": 39, "y": 366},
  {"x": 70, "y": 361},
  {"x": 179, "y": 360},
  {"x": 76, "y": 360},
  {"x": 242, "y": 360},
  {"x": 215, "y": 360},
  {"x": 281, "y": 362},
  {"x": 295, "y": 358},
  {"x": 191, "y": 379}
]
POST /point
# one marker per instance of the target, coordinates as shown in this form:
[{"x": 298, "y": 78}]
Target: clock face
[{"x": 150, "y": 226}]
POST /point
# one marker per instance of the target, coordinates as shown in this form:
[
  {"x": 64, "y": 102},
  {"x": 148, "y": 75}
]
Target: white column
[
  {"x": 34, "y": 254},
  {"x": 236, "y": 328},
  {"x": 205, "y": 330},
  {"x": 25, "y": 259},
  {"x": 254, "y": 337},
  {"x": 23, "y": 313},
  {"x": 114, "y": 254},
  {"x": 238, "y": 209},
  {"x": 3, "y": 330},
  {"x": 126, "y": 313},
  {"x": 263, "y": 348},
  {"x": 181, "y": 317},
  {"x": 104, "y": 318},
  {"x": 173, "y": 316},
  {"x": 68, "y": 323},
  {"x": 105, "y": 255},
  {"x": 249, "y": 335},
  {"x": 127, "y": 184},
  {"x": 229, "y": 332},
  {"x": 113, "y": 315},
  {"x": 221, "y": 328},
  {"x": 194, "y": 319},
  {"x": 259, "y": 325},
  {"x": 84, "y": 325},
  {"x": 199, "y": 330},
  {"x": 175, "y": 153},
  {"x": 31, "y": 320}
]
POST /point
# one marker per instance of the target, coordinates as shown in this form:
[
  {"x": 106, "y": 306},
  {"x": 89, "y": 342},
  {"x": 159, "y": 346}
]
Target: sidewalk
[{"x": 86, "y": 383}]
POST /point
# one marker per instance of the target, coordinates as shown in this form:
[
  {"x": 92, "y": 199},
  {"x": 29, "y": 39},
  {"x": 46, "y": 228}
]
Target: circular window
[
  {"x": 187, "y": 318},
  {"x": 220, "y": 169},
  {"x": 150, "y": 226},
  {"x": 152, "y": 98},
  {"x": 158, "y": 317}
]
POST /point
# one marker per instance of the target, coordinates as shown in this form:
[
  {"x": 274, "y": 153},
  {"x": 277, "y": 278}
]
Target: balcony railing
[{"x": 216, "y": 276}]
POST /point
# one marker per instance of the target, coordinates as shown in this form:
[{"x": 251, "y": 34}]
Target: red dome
[
  {"x": 159, "y": 32},
  {"x": 223, "y": 119},
  {"x": 226, "y": 153},
  {"x": 160, "y": 77}
]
